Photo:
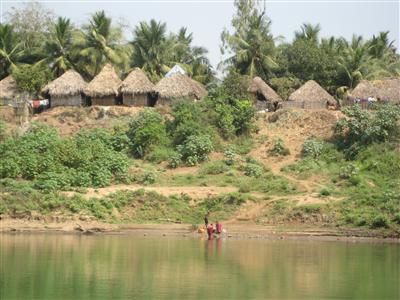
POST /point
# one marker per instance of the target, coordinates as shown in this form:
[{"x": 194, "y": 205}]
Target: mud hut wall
[
  {"x": 135, "y": 99},
  {"x": 72, "y": 100},
  {"x": 162, "y": 101},
  {"x": 105, "y": 101}
]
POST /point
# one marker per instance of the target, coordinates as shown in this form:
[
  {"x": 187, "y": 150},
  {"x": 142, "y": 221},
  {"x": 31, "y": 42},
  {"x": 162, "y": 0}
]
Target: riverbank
[{"x": 234, "y": 231}]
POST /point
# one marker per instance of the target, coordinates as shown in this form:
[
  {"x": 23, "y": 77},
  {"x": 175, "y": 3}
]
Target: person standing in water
[
  {"x": 210, "y": 230},
  {"x": 218, "y": 227},
  {"x": 206, "y": 219}
]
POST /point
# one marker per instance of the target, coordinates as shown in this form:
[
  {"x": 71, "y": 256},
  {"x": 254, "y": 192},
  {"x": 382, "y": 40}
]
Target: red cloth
[
  {"x": 209, "y": 230},
  {"x": 219, "y": 227}
]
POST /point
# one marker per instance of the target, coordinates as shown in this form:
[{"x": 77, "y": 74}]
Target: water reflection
[{"x": 115, "y": 267}]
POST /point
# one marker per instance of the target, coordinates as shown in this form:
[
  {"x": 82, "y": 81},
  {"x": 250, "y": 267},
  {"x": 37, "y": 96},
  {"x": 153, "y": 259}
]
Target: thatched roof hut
[
  {"x": 265, "y": 97},
  {"x": 386, "y": 90},
  {"x": 136, "y": 89},
  {"x": 104, "y": 88},
  {"x": 310, "y": 96},
  {"x": 66, "y": 90},
  {"x": 9, "y": 89},
  {"x": 179, "y": 86}
]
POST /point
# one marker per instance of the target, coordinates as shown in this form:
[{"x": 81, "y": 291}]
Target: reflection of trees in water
[{"x": 70, "y": 266}]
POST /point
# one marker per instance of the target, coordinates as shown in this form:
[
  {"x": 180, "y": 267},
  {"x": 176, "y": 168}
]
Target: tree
[
  {"x": 11, "y": 51},
  {"x": 251, "y": 45},
  {"x": 308, "y": 32},
  {"x": 103, "y": 43},
  {"x": 32, "y": 78},
  {"x": 31, "y": 22},
  {"x": 59, "y": 47},
  {"x": 151, "y": 48}
]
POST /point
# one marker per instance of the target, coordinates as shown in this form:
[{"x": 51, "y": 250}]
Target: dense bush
[
  {"x": 195, "y": 149},
  {"x": 313, "y": 147},
  {"x": 87, "y": 159},
  {"x": 146, "y": 130},
  {"x": 361, "y": 127}
]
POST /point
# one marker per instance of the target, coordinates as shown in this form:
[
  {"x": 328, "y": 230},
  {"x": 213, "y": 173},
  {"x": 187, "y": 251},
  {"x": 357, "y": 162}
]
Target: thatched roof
[
  {"x": 69, "y": 84},
  {"x": 180, "y": 86},
  {"x": 137, "y": 83},
  {"x": 257, "y": 85},
  {"x": 313, "y": 92},
  {"x": 8, "y": 88},
  {"x": 106, "y": 83},
  {"x": 385, "y": 90}
]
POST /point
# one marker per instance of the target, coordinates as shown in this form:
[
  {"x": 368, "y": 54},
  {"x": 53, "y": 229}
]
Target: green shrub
[
  {"x": 279, "y": 148},
  {"x": 160, "y": 153},
  {"x": 146, "y": 130},
  {"x": 253, "y": 170},
  {"x": 379, "y": 220},
  {"x": 397, "y": 218},
  {"x": 175, "y": 160},
  {"x": 348, "y": 171},
  {"x": 195, "y": 149},
  {"x": 230, "y": 155},
  {"x": 313, "y": 148}
]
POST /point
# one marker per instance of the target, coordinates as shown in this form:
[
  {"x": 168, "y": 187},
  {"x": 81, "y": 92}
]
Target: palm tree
[
  {"x": 308, "y": 32},
  {"x": 11, "y": 51},
  {"x": 355, "y": 62},
  {"x": 151, "y": 48},
  {"x": 253, "y": 48},
  {"x": 59, "y": 48},
  {"x": 379, "y": 45},
  {"x": 103, "y": 43}
]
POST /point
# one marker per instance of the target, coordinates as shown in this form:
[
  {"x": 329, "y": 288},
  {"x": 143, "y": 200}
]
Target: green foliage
[
  {"x": 230, "y": 155},
  {"x": 253, "y": 170},
  {"x": 279, "y": 148},
  {"x": 146, "y": 130},
  {"x": 313, "y": 148},
  {"x": 285, "y": 86},
  {"x": 214, "y": 168},
  {"x": 361, "y": 128},
  {"x": 195, "y": 149},
  {"x": 3, "y": 130},
  {"x": 87, "y": 159},
  {"x": 32, "y": 78}
]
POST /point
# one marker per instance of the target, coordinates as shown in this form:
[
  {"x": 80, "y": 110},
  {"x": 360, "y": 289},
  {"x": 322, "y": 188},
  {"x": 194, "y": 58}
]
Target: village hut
[
  {"x": 104, "y": 88},
  {"x": 178, "y": 86},
  {"x": 137, "y": 89},
  {"x": 264, "y": 96},
  {"x": 383, "y": 91},
  {"x": 310, "y": 96},
  {"x": 9, "y": 91},
  {"x": 66, "y": 90}
]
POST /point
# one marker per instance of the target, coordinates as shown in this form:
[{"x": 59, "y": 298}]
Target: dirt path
[{"x": 195, "y": 192}]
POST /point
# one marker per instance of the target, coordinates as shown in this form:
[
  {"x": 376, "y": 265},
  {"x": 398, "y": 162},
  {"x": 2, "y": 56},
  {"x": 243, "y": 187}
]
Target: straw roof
[
  {"x": 313, "y": 92},
  {"x": 260, "y": 86},
  {"x": 386, "y": 89},
  {"x": 69, "y": 84},
  {"x": 8, "y": 88},
  {"x": 106, "y": 83},
  {"x": 180, "y": 86},
  {"x": 137, "y": 83}
]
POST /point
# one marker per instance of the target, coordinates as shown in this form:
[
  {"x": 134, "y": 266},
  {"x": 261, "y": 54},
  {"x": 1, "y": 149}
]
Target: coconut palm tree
[
  {"x": 253, "y": 48},
  {"x": 11, "y": 50},
  {"x": 379, "y": 45},
  {"x": 308, "y": 32},
  {"x": 151, "y": 48},
  {"x": 59, "y": 47},
  {"x": 103, "y": 43}
]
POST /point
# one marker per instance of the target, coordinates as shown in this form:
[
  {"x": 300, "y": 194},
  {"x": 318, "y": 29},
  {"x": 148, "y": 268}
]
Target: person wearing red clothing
[
  {"x": 218, "y": 228},
  {"x": 210, "y": 230}
]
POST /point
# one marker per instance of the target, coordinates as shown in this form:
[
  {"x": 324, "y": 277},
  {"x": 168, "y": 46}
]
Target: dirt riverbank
[{"x": 233, "y": 231}]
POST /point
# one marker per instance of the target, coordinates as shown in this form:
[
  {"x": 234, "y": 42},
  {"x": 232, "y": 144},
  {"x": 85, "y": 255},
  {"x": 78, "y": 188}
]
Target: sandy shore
[{"x": 233, "y": 231}]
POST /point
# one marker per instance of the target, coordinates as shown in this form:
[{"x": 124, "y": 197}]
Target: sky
[{"x": 207, "y": 18}]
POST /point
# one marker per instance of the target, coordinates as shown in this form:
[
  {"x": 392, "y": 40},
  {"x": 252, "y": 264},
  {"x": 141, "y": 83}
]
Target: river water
[{"x": 56, "y": 266}]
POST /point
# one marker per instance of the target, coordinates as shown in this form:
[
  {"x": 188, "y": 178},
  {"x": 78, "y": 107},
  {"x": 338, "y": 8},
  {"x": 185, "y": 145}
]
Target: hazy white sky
[{"x": 206, "y": 18}]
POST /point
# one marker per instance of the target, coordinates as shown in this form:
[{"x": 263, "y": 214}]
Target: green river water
[{"x": 56, "y": 266}]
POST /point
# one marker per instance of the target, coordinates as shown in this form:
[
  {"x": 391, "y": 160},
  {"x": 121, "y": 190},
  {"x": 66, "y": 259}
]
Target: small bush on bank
[
  {"x": 313, "y": 147},
  {"x": 279, "y": 148},
  {"x": 195, "y": 149}
]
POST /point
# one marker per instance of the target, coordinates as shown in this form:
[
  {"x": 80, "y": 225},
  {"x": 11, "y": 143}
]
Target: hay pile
[
  {"x": 69, "y": 84},
  {"x": 257, "y": 85},
  {"x": 106, "y": 83},
  {"x": 385, "y": 90},
  {"x": 137, "y": 83}
]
